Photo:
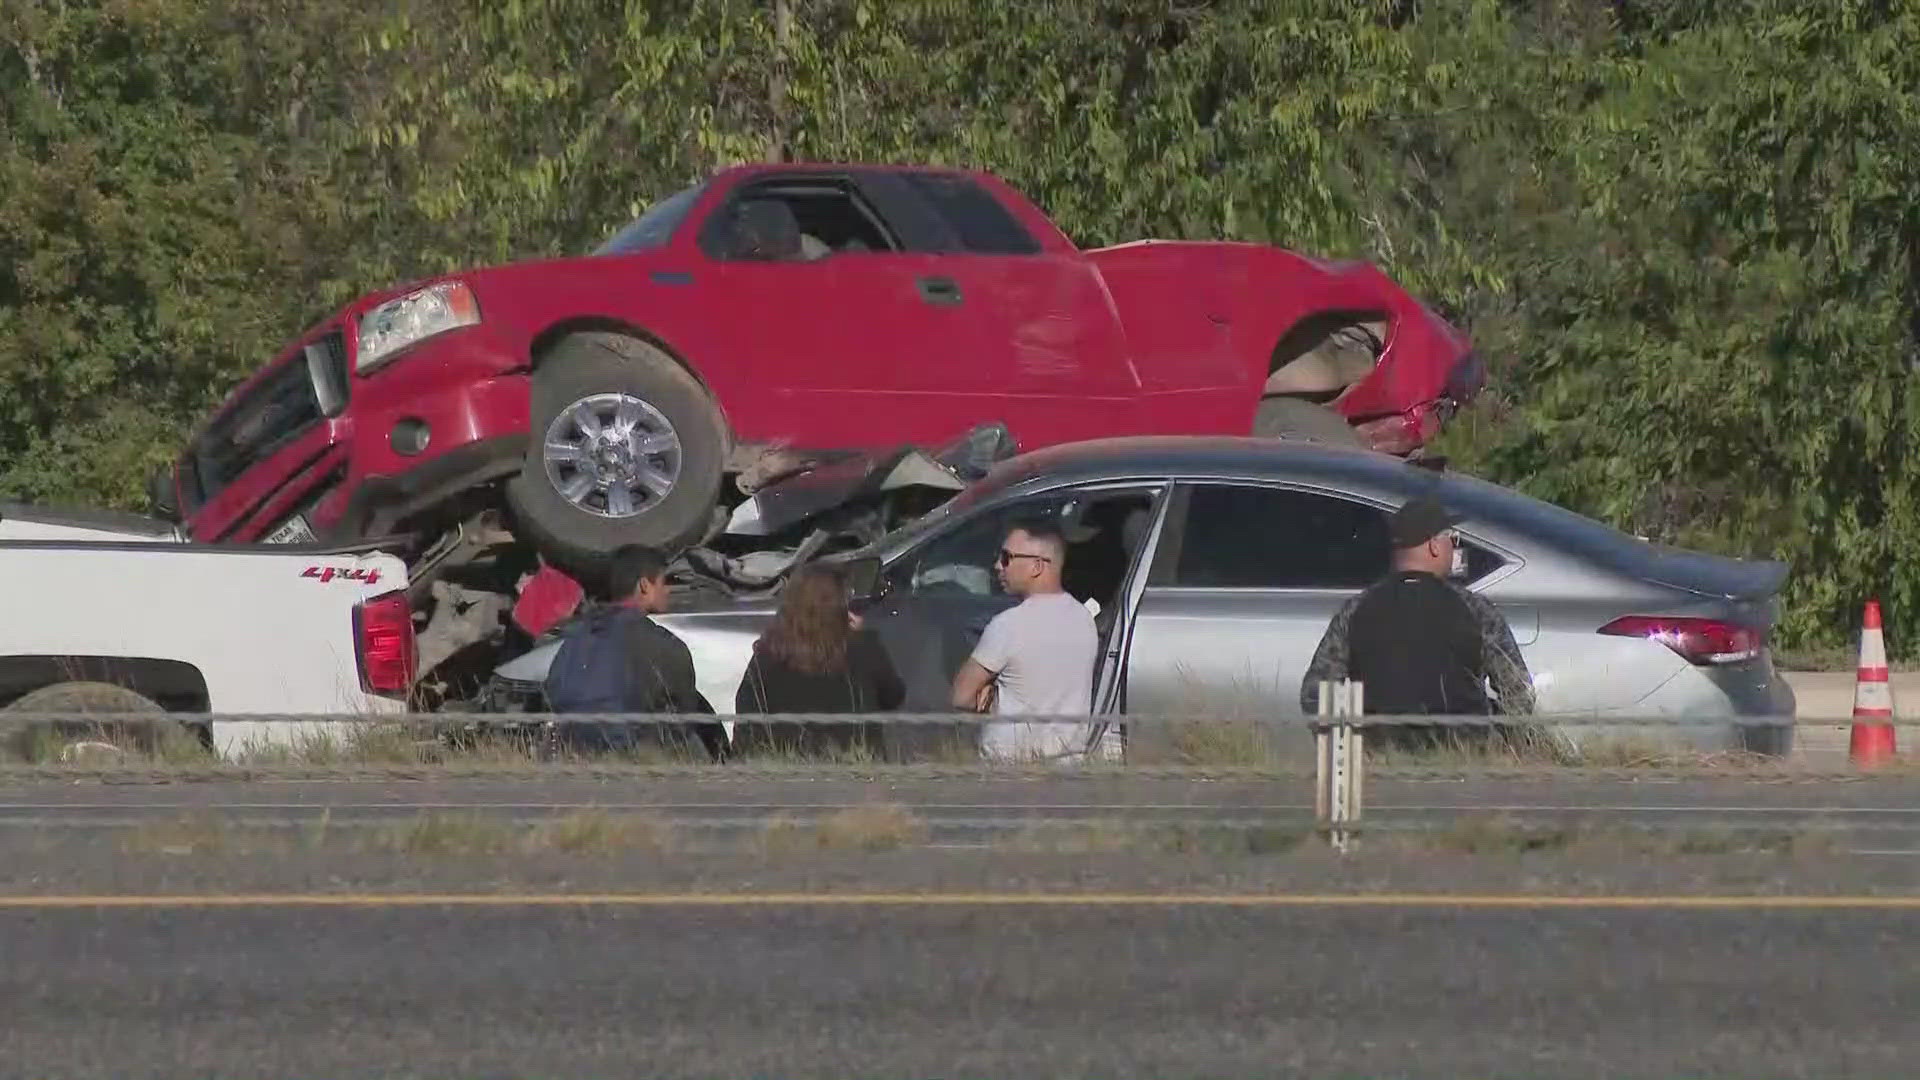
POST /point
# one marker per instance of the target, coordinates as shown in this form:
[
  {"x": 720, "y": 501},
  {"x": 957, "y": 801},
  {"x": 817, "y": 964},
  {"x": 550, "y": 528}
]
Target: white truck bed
[
  {"x": 19, "y": 521},
  {"x": 264, "y": 628}
]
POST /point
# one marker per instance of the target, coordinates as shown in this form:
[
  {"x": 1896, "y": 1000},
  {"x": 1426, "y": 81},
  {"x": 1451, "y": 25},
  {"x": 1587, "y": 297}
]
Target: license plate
[{"x": 294, "y": 530}]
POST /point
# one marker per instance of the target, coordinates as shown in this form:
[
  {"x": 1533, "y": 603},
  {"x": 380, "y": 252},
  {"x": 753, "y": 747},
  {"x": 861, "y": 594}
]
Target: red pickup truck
[{"x": 791, "y": 311}]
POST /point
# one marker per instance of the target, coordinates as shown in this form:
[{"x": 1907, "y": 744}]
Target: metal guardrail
[
  {"x": 1337, "y": 751},
  {"x": 15, "y": 720}
]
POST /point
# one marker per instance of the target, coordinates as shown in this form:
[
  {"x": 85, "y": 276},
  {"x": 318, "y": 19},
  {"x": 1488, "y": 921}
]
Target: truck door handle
[{"x": 938, "y": 290}]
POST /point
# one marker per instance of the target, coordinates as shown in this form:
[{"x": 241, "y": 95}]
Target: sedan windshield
[{"x": 655, "y": 227}]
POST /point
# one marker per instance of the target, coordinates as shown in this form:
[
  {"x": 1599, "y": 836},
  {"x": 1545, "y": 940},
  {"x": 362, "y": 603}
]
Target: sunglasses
[{"x": 1007, "y": 557}]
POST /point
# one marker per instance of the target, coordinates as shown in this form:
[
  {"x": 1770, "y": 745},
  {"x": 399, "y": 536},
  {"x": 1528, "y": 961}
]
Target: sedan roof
[
  {"x": 1340, "y": 468},
  {"x": 1222, "y": 455}
]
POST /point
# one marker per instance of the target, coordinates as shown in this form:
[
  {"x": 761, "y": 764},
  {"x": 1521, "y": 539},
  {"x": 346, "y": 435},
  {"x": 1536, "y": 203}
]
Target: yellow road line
[{"x": 980, "y": 899}]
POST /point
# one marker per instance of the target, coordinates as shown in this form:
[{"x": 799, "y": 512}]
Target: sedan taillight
[{"x": 1698, "y": 641}]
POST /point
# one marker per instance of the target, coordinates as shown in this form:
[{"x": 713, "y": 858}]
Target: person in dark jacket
[
  {"x": 1419, "y": 643},
  {"x": 815, "y": 658},
  {"x": 615, "y": 658}
]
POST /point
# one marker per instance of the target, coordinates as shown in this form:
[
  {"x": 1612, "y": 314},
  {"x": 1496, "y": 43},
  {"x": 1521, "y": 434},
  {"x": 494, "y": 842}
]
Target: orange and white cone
[{"x": 1872, "y": 740}]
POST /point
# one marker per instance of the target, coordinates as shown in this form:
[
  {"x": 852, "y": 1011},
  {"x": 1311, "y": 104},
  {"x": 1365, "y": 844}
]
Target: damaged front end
[{"x": 834, "y": 505}]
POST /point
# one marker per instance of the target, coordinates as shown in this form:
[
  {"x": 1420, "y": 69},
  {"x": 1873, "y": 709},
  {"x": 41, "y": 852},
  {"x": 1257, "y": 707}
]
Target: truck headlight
[{"x": 398, "y": 323}]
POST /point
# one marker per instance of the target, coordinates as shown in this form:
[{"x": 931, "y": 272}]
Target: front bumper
[{"x": 377, "y": 504}]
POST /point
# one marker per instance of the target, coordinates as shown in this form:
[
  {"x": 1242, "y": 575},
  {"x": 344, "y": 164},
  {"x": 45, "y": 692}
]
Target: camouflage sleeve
[
  {"x": 1329, "y": 662},
  {"x": 1506, "y": 668}
]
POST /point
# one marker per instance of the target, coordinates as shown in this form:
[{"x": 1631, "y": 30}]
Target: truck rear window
[
  {"x": 278, "y": 410},
  {"x": 982, "y": 225}
]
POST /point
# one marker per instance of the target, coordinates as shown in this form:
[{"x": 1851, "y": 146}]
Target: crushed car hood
[{"x": 858, "y": 478}]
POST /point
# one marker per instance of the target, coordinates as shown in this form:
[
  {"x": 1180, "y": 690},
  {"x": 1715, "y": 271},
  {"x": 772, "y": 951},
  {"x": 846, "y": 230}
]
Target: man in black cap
[{"x": 1418, "y": 643}]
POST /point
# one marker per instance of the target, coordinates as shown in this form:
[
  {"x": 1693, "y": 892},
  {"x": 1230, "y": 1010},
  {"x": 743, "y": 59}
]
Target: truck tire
[
  {"x": 96, "y": 697},
  {"x": 625, "y": 448},
  {"x": 1291, "y": 418}
]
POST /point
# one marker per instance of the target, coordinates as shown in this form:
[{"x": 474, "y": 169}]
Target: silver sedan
[{"x": 1215, "y": 565}]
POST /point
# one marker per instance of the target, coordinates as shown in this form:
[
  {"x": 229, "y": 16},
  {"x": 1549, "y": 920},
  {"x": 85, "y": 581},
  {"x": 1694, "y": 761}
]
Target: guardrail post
[{"x": 1338, "y": 756}]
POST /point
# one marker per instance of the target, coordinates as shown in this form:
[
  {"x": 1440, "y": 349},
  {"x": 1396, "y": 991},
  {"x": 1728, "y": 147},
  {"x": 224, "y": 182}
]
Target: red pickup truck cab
[{"x": 803, "y": 309}]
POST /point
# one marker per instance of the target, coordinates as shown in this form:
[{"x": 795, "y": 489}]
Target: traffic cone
[{"x": 1872, "y": 739}]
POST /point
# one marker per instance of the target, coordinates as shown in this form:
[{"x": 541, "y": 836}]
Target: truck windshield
[
  {"x": 655, "y": 227},
  {"x": 276, "y": 411}
]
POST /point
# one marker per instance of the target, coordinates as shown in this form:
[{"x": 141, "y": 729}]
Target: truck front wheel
[{"x": 625, "y": 448}]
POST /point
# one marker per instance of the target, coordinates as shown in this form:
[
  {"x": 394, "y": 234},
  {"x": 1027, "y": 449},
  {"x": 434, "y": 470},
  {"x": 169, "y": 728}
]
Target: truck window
[
  {"x": 655, "y": 227},
  {"x": 982, "y": 225},
  {"x": 793, "y": 221},
  {"x": 281, "y": 408}
]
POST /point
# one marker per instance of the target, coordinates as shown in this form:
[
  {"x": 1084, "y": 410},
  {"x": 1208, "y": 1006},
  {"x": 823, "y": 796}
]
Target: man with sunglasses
[
  {"x": 1417, "y": 642},
  {"x": 1035, "y": 658}
]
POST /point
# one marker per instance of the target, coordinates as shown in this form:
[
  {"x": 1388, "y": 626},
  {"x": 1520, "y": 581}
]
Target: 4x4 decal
[{"x": 328, "y": 573}]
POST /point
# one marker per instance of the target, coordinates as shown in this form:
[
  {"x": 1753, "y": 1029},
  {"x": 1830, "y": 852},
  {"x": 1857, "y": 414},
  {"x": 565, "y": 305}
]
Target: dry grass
[
  {"x": 447, "y": 834},
  {"x": 879, "y": 827},
  {"x": 938, "y": 747},
  {"x": 885, "y": 827},
  {"x": 597, "y": 832},
  {"x": 1073, "y": 838},
  {"x": 392, "y": 744},
  {"x": 1470, "y": 748},
  {"x": 190, "y": 835},
  {"x": 871, "y": 828},
  {"x": 782, "y": 835},
  {"x": 1490, "y": 834},
  {"x": 1535, "y": 747},
  {"x": 1225, "y": 742},
  {"x": 104, "y": 744},
  {"x": 586, "y": 833},
  {"x": 1116, "y": 836},
  {"x": 375, "y": 743},
  {"x": 425, "y": 835}
]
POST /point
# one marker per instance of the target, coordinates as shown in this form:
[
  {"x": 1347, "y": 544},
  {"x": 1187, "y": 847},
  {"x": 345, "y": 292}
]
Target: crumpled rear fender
[{"x": 1421, "y": 357}]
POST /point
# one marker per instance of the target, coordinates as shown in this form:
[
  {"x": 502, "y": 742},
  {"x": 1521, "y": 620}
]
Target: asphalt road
[
  {"x": 962, "y": 989},
  {"x": 142, "y": 941}
]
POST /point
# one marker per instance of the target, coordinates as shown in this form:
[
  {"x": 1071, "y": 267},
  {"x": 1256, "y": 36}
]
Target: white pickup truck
[{"x": 114, "y": 613}]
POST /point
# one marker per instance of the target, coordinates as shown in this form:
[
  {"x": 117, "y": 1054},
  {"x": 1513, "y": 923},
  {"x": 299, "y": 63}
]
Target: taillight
[
  {"x": 384, "y": 645},
  {"x": 1699, "y": 641}
]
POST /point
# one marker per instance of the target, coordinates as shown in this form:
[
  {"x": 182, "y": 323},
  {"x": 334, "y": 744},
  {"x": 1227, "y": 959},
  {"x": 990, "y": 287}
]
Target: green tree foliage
[{"x": 1682, "y": 232}]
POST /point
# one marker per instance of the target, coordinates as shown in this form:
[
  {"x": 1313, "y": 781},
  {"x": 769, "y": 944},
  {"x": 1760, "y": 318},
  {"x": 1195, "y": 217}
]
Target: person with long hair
[{"x": 815, "y": 658}]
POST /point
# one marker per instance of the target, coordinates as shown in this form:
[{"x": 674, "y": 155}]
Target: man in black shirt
[
  {"x": 615, "y": 659},
  {"x": 1418, "y": 643}
]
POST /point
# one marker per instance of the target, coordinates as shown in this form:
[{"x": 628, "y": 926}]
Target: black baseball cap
[{"x": 1419, "y": 520}]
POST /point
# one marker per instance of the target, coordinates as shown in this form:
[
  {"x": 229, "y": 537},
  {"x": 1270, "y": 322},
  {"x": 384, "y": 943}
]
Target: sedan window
[
  {"x": 1248, "y": 537},
  {"x": 1242, "y": 536},
  {"x": 1104, "y": 531}
]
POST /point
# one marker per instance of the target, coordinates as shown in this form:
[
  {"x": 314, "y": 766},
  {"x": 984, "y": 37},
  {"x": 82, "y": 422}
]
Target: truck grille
[{"x": 330, "y": 352}]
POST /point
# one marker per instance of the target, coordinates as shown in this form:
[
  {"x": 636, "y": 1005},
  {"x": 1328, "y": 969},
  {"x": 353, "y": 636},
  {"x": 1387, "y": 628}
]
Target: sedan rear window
[{"x": 1246, "y": 537}]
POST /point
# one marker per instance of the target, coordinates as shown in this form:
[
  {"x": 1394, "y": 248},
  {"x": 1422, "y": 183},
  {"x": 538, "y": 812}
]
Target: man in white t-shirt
[{"x": 1035, "y": 658}]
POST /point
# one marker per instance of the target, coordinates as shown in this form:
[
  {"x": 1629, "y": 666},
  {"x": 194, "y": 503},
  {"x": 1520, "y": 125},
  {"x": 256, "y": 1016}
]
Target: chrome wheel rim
[{"x": 611, "y": 455}]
